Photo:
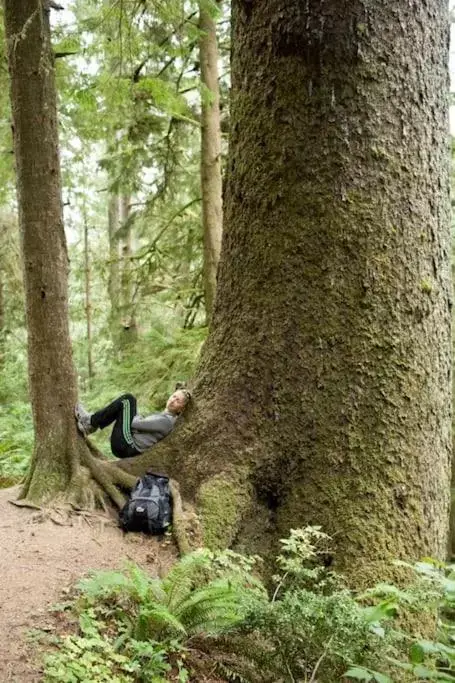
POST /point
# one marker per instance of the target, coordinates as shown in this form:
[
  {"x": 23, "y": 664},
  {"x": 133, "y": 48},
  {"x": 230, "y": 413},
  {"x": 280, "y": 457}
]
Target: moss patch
[{"x": 222, "y": 502}]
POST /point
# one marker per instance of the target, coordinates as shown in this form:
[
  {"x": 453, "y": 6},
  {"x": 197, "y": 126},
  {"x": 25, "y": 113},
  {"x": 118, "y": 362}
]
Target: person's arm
[{"x": 162, "y": 424}]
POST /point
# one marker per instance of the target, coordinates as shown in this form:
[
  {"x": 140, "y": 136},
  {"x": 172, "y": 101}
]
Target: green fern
[
  {"x": 243, "y": 656},
  {"x": 214, "y": 608},
  {"x": 184, "y": 576},
  {"x": 186, "y": 603},
  {"x": 155, "y": 621},
  {"x": 229, "y": 674}
]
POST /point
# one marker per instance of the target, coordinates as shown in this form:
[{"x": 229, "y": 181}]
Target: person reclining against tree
[{"x": 132, "y": 434}]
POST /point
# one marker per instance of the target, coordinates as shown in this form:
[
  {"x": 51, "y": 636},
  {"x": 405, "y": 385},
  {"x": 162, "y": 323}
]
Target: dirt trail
[{"x": 40, "y": 557}]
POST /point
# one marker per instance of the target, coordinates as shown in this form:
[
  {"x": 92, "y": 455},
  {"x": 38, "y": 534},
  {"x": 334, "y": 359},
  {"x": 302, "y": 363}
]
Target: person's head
[{"x": 178, "y": 401}]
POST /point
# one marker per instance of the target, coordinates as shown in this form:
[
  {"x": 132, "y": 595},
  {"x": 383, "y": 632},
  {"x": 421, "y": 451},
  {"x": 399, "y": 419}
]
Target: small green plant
[
  {"x": 89, "y": 659},
  {"x": 104, "y": 651},
  {"x": 360, "y": 673}
]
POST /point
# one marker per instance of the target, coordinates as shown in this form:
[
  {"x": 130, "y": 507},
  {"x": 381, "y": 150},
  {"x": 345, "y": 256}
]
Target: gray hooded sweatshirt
[{"x": 147, "y": 431}]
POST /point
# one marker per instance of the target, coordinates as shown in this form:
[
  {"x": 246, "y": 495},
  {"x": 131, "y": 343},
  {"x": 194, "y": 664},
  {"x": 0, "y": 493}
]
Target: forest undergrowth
[{"x": 211, "y": 618}]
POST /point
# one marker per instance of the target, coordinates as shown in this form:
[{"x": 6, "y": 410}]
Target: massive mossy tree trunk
[
  {"x": 323, "y": 393},
  {"x": 59, "y": 452},
  {"x": 211, "y": 183}
]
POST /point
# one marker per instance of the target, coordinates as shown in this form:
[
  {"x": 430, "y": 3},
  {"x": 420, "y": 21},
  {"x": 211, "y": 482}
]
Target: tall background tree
[
  {"x": 211, "y": 185},
  {"x": 45, "y": 259},
  {"x": 56, "y": 465}
]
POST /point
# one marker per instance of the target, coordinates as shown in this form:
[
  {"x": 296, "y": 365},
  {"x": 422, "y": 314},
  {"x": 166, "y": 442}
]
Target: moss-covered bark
[{"x": 326, "y": 375}]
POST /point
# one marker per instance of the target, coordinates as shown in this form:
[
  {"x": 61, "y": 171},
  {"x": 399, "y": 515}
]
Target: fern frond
[
  {"x": 145, "y": 589},
  {"x": 212, "y": 609},
  {"x": 245, "y": 656},
  {"x": 156, "y": 592},
  {"x": 183, "y": 576},
  {"x": 230, "y": 674},
  {"x": 152, "y": 620}
]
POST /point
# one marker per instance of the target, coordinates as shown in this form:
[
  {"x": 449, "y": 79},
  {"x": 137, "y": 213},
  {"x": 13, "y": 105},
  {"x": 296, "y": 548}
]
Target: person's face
[{"x": 176, "y": 402}]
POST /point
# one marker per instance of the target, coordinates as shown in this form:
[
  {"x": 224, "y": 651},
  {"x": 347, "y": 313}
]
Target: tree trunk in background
[
  {"x": 452, "y": 490},
  {"x": 128, "y": 327},
  {"x": 88, "y": 304},
  {"x": 211, "y": 183},
  {"x": 113, "y": 282},
  {"x": 122, "y": 322},
  {"x": 323, "y": 395},
  {"x": 2, "y": 319},
  {"x": 51, "y": 373}
]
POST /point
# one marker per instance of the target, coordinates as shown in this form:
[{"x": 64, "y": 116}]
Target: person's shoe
[{"x": 84, "y": 424}]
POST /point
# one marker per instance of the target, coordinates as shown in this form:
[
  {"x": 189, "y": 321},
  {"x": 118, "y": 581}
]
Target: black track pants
[{"x": 121, "y": 413}]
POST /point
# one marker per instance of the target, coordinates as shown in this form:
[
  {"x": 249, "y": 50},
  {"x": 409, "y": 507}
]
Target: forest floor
[{"x": 41, "y": 556}]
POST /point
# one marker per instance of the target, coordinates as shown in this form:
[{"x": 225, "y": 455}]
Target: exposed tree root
[
  {"x": 185, "y": 523},
  {"x": 103, "y": 477},
  {"x": 26, "y": 481},
  {"x": 111, "y": 479},
  {"x": 84, "y": 492},
  {"x": 95, "y": 451},
  {"x": 93, "y": 480},
  {"x": 177, "y": 519},
  {"x": 21, "y": 503}
]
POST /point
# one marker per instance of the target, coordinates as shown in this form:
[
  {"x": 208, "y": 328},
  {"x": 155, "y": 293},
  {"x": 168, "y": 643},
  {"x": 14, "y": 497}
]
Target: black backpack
[{"x": 149, "y": 508}]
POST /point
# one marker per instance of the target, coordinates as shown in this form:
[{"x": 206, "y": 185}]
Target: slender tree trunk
[
  {"x": 122, "y": 320},
  {"x": 2, "y": 319},
  {"x": 113, "y": 284},
  {"x": 58, "y": 448},
  {"x": 51, "y": 371},
  {"x": 323, "y": 393},
  {"x": 452, "y": 489},
  {"x": 211, "y": 183},
  {"x": 88, "y": 304},
  {"x": 128, "y": 326}
]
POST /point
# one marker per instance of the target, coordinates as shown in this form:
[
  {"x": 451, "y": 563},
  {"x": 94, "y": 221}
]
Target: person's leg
[
  {"x": 121, "y": 413},
  {"x": 112, "y": 412}
]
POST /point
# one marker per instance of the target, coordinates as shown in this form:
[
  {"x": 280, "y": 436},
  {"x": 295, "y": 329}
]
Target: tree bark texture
[
  {"x": 211, "y": 181},
  {"x": 88, "y": 301},
  {"x": 113, "y": 284},
  {"x": 128, "y": 327},
  {"x": 2, "y": 319},
  {"x": 45, "y": 262},
  {"x": 323, "y": 392}
]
